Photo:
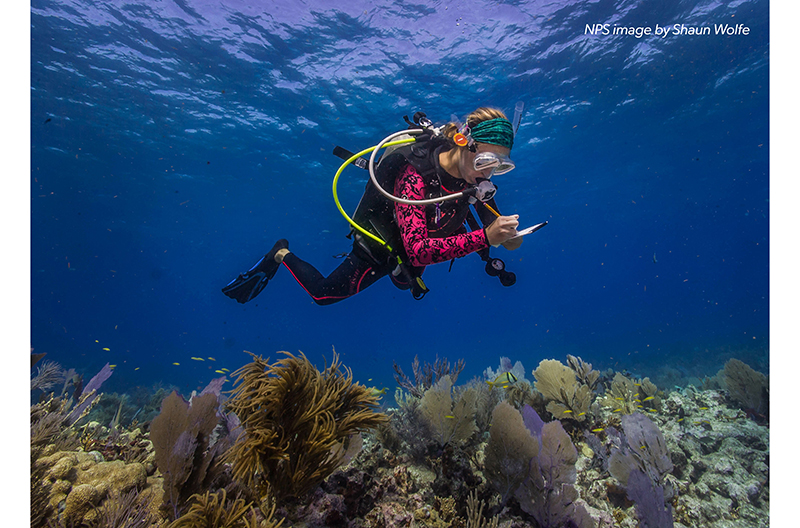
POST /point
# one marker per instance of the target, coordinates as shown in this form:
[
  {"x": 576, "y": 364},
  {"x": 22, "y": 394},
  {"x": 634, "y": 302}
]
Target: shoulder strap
[{"x": 420, "y": 156}]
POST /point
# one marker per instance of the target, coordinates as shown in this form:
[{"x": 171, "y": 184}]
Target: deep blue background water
[{"x": 173, "y": 142}]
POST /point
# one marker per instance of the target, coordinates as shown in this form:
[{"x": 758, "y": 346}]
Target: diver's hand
[
  {"x": 512, "y": 243},
  {"x": 503, "y": 228}
]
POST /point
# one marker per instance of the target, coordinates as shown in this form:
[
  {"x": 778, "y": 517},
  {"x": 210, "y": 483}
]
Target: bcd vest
[{"x": 376, "y": 213}]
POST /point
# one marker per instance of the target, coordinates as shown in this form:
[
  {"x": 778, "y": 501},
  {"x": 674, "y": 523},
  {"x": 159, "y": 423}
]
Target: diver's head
[{"x": 482, "y": 144}]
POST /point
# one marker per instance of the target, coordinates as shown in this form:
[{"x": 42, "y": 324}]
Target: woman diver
[{"x": 421, "y": 222}]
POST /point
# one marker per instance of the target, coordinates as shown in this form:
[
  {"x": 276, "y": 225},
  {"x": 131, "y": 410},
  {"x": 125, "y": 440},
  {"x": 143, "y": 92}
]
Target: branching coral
[
  {"x": 475, "y": 513},
  {"x": 425, "y": 376},
  {"x": 125, "y": 510},
  {"x": 48, "y": 375},
  {"x": 296, "y": 422},
  {"x": 215, "y": 511}
]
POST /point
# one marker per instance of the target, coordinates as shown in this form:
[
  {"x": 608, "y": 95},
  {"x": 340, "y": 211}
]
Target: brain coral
[{"x": 82, "y": 483}]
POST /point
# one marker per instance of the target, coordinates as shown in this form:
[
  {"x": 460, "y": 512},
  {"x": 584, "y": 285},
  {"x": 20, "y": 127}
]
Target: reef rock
[{"x": 721, "y": 460}]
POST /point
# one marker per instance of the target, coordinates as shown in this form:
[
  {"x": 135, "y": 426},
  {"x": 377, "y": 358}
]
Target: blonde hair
[{"x": 480, "y": 115}]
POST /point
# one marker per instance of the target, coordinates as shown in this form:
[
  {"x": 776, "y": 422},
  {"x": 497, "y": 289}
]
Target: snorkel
[{"x": 518, "y": 108}]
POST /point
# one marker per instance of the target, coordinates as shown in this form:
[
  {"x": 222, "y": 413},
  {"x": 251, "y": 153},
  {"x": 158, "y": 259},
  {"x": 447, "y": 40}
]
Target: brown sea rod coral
[
  {"x": 297, "y": 423},
  {"x": 214, "y": 510}
]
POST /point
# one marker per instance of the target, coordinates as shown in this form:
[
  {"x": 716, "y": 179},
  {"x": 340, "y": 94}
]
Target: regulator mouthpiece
[{"x": 485, "y": 190}]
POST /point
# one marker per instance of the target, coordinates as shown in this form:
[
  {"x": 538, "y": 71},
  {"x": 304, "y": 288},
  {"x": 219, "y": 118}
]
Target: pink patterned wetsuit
[
  {"x": 424, "y": 237},
  {"x": 422, "y": 249}
]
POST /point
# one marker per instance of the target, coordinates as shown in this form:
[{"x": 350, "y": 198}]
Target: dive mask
[{"x": 490, "y": 160}]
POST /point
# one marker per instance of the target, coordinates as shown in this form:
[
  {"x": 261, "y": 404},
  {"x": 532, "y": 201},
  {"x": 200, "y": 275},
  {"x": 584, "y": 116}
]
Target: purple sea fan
[
  {"x": 549, "y": 494},
  {"x": 649, "y": 499},
  {"x": 648, "y": 443}
]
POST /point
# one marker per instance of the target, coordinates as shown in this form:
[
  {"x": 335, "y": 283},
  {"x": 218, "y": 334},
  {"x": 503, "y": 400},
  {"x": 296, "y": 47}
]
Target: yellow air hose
[{"x": 350, "y": 160}]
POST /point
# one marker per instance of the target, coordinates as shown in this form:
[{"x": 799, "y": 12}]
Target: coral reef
[
  {"x": 79, "y": 482},
  {"x": 475, "y": 513},
  {"x": 214, "y": 510},
  {"x": 311, "y": 450},
  {"x": 181, "y": 436},
  {"x": 641, "y": 461},
  {"x": 567, "y": 396},
  {"x": 549, "y": 495},
  {"x": 425, "y": 376},
  {"x": 748, "y": 387},
  {"x": 505, "y": 366},
  {"x": 720, "y": 459},
  {"x": 297, "y": 423},
  {"x": 627, "y": 396},
  {"x": 451, "y": 420},
  {"x": 509, "y": 452}
]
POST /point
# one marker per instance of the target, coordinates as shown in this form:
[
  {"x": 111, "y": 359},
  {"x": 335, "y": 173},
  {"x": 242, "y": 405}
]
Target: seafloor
[{"x": 562, "y": 445}]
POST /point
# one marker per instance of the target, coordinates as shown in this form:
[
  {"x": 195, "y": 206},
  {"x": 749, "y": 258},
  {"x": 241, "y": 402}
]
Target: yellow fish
[
  {"x": 599, "y": 429},
  {"x": 502, "y": 380},
  {"x": 652, "y": 410},
  {"x": 649, "y": 398},
  {"x": 176, "y": 363},
  {"x": 567, "y": 411},
  {"x": 219, "y": 372},
  {"x": 617, "y": 410},
  {"x": 112, "y": 366},
  {"x": 373, "y": 391},
  {"x": 703, "y": 408},
  {"x": 225, "y": 370},
  {"x": 137, "y": 368},
  {"x": 450, "y": 416},
  {"x": 211, "y": 359},
  {"x": 581, "y": 414},
  {"x": 198, "y": 359},
  {"x": 107, "y": 349}
]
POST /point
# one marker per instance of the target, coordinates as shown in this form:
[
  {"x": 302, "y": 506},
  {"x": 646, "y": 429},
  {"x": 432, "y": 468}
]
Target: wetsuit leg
[{"x": 352, "y": 276}]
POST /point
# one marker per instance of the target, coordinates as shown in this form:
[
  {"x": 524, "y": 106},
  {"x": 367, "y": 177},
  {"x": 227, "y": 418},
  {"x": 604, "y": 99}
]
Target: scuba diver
[{"x": 415, "y": 211}]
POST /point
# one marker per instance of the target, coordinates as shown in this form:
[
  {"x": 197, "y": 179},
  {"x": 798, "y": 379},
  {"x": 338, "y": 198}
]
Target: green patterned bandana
[{"x": 496, "y": 131}]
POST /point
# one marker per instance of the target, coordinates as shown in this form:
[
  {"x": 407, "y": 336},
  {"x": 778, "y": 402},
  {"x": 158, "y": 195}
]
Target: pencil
[{"x": 492, "y": 210}]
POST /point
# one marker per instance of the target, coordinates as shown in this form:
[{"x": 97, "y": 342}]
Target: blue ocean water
[{"x": 172, "y": 142}]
